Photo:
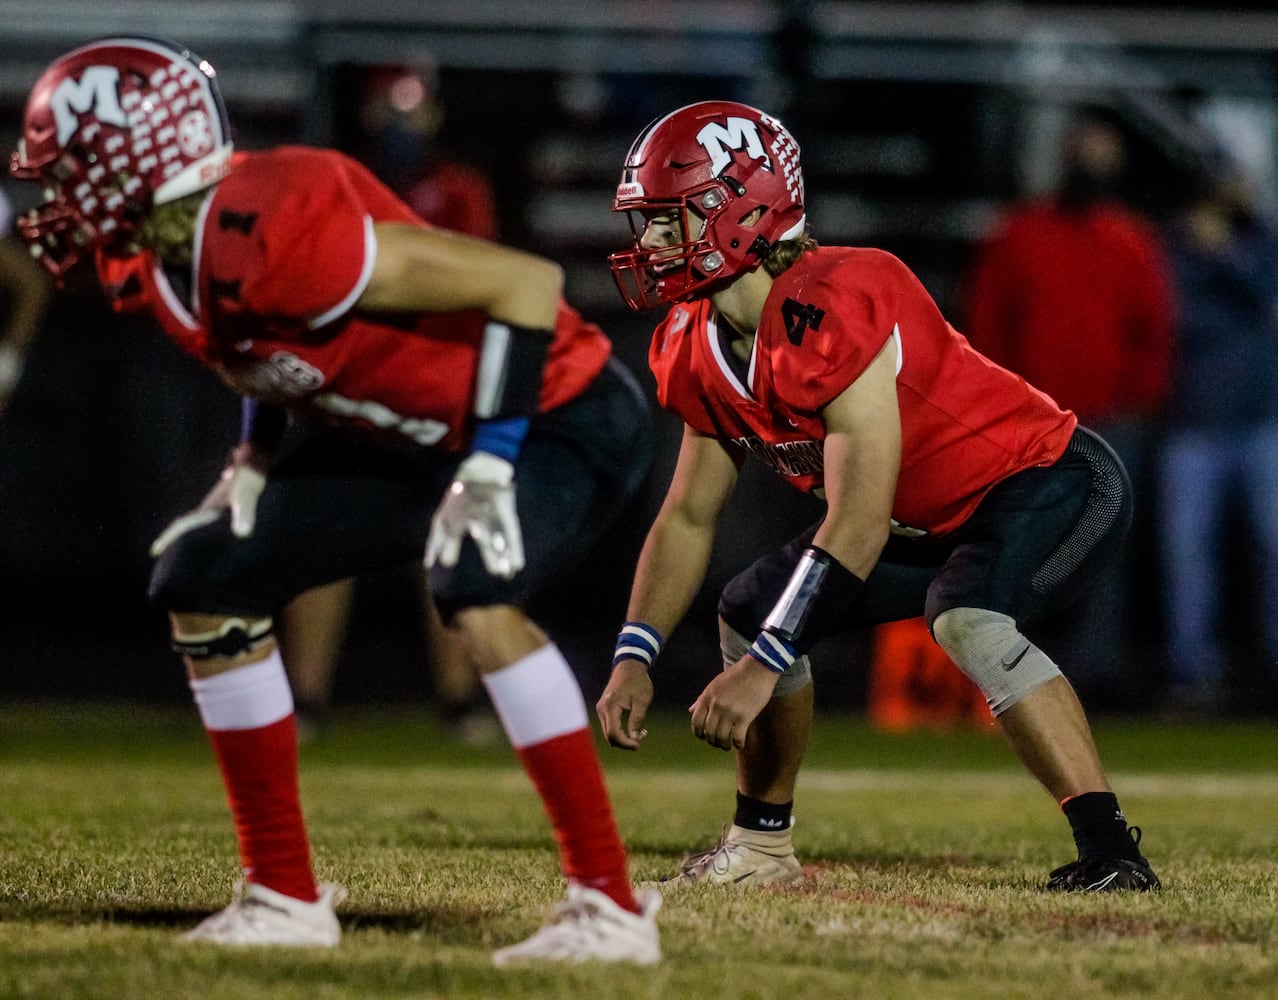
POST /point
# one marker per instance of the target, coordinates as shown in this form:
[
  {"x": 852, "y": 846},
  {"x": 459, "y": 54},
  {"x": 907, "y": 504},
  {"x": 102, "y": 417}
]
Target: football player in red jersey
[
  {"x": 954, "y": 489},
  {"x": 440, "y": 371}
]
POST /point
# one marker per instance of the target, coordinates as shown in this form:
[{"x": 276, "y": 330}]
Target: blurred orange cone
[{"x": 915, "y": 685}]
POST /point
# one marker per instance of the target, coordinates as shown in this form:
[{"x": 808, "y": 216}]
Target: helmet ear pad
[{"x": 748, "y": 219}]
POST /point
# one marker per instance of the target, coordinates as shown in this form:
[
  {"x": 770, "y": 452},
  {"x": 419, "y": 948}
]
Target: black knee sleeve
[
  {"x": 199, "y": 575},
  {"x": 739, "y": 607}
]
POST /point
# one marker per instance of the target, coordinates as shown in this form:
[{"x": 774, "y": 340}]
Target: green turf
[{"x": 924, "y": 853}]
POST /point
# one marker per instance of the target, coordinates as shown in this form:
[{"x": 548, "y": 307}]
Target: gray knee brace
[
  {"x": 734, "y": 645},
  {"x": 988, "y": 647}
]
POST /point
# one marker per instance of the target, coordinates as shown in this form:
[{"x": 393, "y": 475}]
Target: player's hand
[
  {"x": 722, "y": 714},
  {"x": 628, "y": 694},
  {"x": 237, "y": 490},
  {"x": 479, "y": 503}
]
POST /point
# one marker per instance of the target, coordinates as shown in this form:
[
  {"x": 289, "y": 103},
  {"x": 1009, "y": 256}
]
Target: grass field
[{"x": 924, "y": 853}]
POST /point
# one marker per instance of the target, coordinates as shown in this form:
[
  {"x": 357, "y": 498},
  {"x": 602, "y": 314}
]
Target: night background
[{"x": 919, "y": 123}]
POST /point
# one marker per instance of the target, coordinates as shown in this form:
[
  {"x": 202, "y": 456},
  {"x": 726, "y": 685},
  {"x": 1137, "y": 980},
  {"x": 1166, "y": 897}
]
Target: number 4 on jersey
[{"x": 798, "y": 316}]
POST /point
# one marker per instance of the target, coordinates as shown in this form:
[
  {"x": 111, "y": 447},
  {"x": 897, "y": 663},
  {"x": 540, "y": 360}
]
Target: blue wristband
[
  {"x": 503, "y": 438},
  {"x": 261, "y": 424},
  {"x": 637, "y": 641},
  {"x": 773, "y": 652}
]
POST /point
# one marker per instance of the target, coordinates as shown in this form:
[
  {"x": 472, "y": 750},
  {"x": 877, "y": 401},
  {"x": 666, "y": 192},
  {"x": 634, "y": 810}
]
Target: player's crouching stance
[
  {"x": 437, "y": 371},
  {"x": 954, "y": 489}
]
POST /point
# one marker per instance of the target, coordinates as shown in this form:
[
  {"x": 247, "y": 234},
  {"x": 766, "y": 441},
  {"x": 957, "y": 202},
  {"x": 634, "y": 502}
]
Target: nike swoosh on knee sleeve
[{"x": 1011, "y": 664}]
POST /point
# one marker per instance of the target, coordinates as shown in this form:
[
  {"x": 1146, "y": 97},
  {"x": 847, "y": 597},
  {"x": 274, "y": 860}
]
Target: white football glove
[
  {"x": 479, "y": 503},
  {"x": 238, "y": 489}
]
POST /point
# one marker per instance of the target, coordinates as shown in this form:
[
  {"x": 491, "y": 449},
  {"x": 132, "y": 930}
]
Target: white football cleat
[
  {"x": 262, "y": 916},
  {"x": 743, "y": 858},
  {"x": 589, "y": 926}
]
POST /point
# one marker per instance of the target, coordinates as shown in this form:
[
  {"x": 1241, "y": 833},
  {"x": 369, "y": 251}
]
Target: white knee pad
[
  {"x": 988, "y": 647},
  {"x": 734, "y": 645}
]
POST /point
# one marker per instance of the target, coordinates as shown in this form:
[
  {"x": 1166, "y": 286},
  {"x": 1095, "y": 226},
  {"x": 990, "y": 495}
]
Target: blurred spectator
[
  {"x": 1072, "y": 292},
  {"x": 24, "y": 297},
  {"x": 399, "y": 116},
  {"x": 1220, "y": 457}
]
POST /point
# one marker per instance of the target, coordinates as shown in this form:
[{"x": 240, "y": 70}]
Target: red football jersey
[
  {"x": 283, "y": 249},
  {"x": 966, "y": 423}
]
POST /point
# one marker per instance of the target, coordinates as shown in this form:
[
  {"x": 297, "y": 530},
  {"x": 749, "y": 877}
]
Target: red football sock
[
  {"x": 566, "y": 772},
  {"x": 248, "y": 714},
  {"x": 544, "y": 714},
  {"x": 259, "y": 769}
]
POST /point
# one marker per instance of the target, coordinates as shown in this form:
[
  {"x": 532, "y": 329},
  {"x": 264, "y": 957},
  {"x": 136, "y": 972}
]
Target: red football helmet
[
  {"x": 111, "y": 129},
  {"x": 716, "y": 161}
]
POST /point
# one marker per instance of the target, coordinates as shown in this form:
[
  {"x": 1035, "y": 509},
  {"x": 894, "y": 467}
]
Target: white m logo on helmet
[
  {"x": 95, "y": 91},
  {"x": 735, "y": 133}
]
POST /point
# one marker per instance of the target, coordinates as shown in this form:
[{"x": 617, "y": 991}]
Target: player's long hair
[
  {"x": 169, "y": 229},
  {"x": 783, "y": 254}
]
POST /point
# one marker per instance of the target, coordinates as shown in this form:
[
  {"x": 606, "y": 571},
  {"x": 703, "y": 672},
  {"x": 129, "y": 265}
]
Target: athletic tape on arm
[
  {"x": 814, "y": 604},
  {"x": 508, "y": 379}
]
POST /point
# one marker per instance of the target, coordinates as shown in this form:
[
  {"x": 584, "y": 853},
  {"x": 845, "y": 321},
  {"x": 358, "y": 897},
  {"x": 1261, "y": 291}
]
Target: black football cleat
[{"x": 1105, "y": 874}]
